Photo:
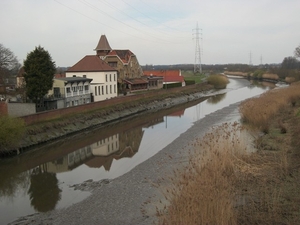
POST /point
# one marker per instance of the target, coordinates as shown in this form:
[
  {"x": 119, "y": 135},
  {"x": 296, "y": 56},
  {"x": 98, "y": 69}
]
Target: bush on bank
[{"x": 218, "y": 81}]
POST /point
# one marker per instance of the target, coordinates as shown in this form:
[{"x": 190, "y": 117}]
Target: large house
[
  {"x": 124, "y": 61},
  {"x": 104, "y": 77}
]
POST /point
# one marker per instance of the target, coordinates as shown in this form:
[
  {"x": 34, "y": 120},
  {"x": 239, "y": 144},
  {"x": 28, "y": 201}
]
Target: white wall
[{"x": 103, "y": 86}]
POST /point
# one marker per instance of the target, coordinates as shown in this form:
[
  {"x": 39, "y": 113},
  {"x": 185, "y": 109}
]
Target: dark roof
[
  {"x": 103, "y": 44},
  {"x": 136, "y": 81},
  {"x": 90, "y": 63},
  {"x": 74, "y": 79}
]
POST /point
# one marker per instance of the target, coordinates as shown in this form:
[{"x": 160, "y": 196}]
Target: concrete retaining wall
[{"x": 16, "y": 109}]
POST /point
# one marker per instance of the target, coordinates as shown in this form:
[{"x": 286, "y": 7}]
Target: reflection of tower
[{"x": 197, "y": 65}]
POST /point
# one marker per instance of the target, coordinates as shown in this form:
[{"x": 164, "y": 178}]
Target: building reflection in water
[{"x": 100, "y": 153}]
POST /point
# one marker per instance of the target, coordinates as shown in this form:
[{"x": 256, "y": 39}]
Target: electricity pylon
[{"x": 197, "y": 65}]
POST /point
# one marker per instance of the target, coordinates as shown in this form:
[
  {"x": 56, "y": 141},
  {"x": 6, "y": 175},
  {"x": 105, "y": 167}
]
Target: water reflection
[
  {"x": 43, "y": 188},
  {"x": 216, "y": 99},
  {"x": 42, "y": 177}
]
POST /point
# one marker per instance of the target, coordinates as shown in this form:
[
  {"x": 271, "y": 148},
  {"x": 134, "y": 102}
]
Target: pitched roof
[
  {"x": 124, "y": 55},
  {"x": 90, "y": 63},
  {"x": 103, "y": 44}
]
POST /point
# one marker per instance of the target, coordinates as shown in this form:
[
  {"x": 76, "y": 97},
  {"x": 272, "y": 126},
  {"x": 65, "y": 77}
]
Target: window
[
  {"x": 109, "y": 77},
  {"x": 114, "y": 88},
  {"x": 76, "y": 102},
  {"x": 80, "y": 88},
  {"x": 86, "y": 87},
  {"x": 95, "y": 90},
  {"x": 99, "y": 90},
  {"x": 102, "y": 87},
  {"x": 113, "y": 64},
  {"x": 106, "y": 89},
  {"x": 68, "y": 104},
  {"x": 106, "y": 77},
  {"x": 110, "y": 88},
  {"x": 68, "y": 90},
  {"x": 114, "y": 77},
  {"x": 74, "y": 88}
]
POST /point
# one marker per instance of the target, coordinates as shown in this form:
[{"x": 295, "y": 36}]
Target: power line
[
  {"x": 95, "y": 8},
  {"x": 129, "y": 16},
  {"x": 159, "y": 22}
]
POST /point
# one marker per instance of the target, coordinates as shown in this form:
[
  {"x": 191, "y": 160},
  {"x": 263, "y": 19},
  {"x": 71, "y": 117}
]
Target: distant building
[
  {"x": 169, "y": 76},
  {"x": 104, "y": 77},
  {"x": 124, "y": 61}
]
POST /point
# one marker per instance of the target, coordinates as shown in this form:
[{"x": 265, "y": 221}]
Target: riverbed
[{"x": 106, "y": 176}]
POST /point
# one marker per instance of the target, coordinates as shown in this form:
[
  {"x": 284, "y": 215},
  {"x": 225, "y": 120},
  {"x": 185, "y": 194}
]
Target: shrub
[
  {"x": 11, "y": 130},
  {"x": 218, "y": 81}
]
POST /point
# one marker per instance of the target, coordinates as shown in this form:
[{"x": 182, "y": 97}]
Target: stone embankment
[{"x": 49, "y": 131}]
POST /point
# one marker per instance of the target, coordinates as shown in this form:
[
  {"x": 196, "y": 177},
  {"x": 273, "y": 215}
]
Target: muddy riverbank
[
  {"x": 132, "y": 198},
  {"x": 52, "y": 130}
]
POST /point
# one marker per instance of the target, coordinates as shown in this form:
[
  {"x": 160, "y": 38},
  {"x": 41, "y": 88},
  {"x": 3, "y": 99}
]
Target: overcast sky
[{"x": 156, "y": 31}]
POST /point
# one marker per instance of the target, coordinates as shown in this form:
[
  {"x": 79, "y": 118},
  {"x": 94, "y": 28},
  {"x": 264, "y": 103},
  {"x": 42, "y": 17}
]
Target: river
[{"x": 43, "y": 178}]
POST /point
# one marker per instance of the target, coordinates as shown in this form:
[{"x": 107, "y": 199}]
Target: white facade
[
  {"x": 106, "y": 146},
  {"x": 103, "y": 86}
]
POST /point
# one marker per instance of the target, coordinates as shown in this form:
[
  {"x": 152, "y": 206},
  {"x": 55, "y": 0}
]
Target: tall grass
[
  {"x": 218, "y": 81},
  {"x": 258, "y": 112},
  {"x": 224, "y": 183},
  {"x": 203, "y": 193}
]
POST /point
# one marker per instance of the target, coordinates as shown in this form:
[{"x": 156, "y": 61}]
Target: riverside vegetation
[{"x": 228, "y": 181}]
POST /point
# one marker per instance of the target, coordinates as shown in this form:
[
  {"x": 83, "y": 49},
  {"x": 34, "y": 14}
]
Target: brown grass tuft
[{"x": 258, "y": 112}]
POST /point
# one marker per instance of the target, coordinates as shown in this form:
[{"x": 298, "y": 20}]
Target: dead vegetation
[{"x": 227, "y": 183}]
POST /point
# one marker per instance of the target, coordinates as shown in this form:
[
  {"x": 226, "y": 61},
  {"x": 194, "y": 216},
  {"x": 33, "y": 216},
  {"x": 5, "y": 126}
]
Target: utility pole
[{"x": 197, "y": 65}]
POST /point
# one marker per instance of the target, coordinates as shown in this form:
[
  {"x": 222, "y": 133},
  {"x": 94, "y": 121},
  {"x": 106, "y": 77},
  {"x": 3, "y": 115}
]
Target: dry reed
[
  {"x": 259, "y": 111},
  {"x": 224, "y": 183},
  {"x": 203, "y": 193}
]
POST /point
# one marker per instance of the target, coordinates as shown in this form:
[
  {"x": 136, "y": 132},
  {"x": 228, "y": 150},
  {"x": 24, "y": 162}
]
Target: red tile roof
[
  {"x": 124, "y": 55},
  {"x": 90, "y": 63},
  {"x": 168, "y": 75},
  {"x": 169, "y": 79}
]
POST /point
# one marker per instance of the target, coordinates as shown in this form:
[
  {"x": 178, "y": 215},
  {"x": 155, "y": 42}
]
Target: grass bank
[{"x": 226, "y": 182}]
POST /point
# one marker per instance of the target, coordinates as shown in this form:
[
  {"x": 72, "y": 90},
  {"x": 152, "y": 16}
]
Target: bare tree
[{"x": 9, "y": 66}]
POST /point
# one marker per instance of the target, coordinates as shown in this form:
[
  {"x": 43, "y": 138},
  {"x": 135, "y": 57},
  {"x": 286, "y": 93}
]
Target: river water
[{"x": 43, "y": 179}]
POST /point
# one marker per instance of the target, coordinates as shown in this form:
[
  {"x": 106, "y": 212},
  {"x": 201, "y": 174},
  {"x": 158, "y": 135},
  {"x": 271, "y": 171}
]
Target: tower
[
  {"x": 103, "y": 47},
  {"x": 197, "y": 65}
]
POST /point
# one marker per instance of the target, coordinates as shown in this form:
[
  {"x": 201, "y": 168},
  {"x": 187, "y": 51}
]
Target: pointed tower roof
[{"x": 103, "y": 44}]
